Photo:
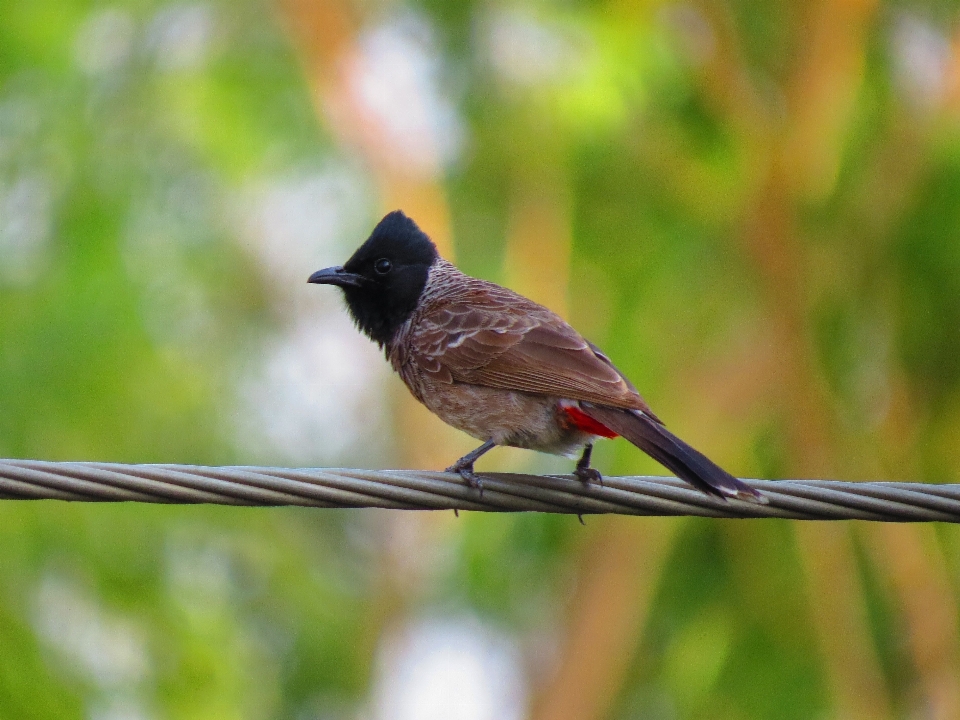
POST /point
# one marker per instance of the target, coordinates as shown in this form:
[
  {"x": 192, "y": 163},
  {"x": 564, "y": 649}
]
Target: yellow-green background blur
[{"x": 753, "y": 206}]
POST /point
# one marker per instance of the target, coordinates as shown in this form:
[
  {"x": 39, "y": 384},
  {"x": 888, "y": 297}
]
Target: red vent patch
[{"x": 581, "y": 421}]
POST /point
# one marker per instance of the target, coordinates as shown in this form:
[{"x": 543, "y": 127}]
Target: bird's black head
[{"x": 384, "y": 278}]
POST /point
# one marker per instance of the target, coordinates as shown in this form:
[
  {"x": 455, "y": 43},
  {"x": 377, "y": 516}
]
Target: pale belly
[{"x": 508, "y": 418}]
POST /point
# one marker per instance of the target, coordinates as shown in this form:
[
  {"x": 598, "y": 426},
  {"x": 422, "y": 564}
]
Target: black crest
[{"x": 392, "y": 267}]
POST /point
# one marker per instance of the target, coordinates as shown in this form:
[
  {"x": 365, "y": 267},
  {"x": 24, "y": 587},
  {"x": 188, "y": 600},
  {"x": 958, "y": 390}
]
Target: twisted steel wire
[{"x": 417, "y": 490}]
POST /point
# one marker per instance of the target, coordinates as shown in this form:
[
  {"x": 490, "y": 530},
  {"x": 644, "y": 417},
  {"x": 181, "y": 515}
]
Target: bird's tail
[{"x": 672, "y": 452}]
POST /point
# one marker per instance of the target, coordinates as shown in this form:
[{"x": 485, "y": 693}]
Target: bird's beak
[{"x": 337, "y": 276}]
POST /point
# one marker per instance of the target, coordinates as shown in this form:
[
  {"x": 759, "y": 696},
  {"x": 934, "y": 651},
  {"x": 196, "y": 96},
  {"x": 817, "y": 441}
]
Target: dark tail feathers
[{"x": 672, "y": 452}]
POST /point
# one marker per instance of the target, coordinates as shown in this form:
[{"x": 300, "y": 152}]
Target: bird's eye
[{"x": 383, "y": 266}]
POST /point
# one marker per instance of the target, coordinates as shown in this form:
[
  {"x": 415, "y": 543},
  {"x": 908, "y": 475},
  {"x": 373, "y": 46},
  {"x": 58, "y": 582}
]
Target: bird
[{"x": 499, "y": 366}]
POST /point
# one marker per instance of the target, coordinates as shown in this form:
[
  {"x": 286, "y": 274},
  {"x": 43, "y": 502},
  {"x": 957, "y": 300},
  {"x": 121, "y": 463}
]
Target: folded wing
[{"x": 496, "y": 338}]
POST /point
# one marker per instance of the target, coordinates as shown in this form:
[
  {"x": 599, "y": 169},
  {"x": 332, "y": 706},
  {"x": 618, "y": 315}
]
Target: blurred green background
[{"x": 753, "y": 207}]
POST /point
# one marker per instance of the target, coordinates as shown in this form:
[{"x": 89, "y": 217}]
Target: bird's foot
[
  {"x": 464, "y": 466},
  {"x": 465, "y": 470},
  {"x": 588, "y": 475},
  {"x": 584, "y": 472}
]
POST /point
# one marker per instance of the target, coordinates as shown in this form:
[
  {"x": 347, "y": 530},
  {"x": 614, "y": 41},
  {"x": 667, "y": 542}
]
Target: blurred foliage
[{"x": 753, "y": 207}]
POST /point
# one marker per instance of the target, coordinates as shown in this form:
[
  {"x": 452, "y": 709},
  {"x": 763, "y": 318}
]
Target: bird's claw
[
  {"x": 469, "y": 476},
  {"x": 588, "y": 475}
]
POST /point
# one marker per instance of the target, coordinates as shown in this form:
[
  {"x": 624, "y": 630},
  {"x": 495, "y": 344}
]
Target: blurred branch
[
  {"x": 805, "y": 155},
  {"x": 843, "y": 632},
  {"x": 411, "y": 490},
  {"x": 914, "y": 565},
  {"x": 537, "y": 262},
  {"x": 326, "y": 32},
  {"x": 619, "y": 572},
  {"x": 823, "y": 93}
]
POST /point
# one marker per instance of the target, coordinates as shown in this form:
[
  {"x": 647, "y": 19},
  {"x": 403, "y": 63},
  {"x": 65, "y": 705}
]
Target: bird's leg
[
  {"x": 464, "y": 466},
  {"x": 584, "y": 472}
]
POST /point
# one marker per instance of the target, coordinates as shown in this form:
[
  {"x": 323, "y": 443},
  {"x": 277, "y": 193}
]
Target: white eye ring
[{"x": 383, "y": 266}]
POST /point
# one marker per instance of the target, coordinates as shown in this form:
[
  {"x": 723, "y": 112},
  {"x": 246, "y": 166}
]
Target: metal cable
[{"x": 416, "y": 490}]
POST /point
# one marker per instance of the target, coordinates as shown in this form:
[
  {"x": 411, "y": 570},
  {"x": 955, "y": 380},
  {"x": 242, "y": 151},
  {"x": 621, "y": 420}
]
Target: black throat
[
  {"x": 387, "y": 298},
  {"x": 379, "y": 315}
]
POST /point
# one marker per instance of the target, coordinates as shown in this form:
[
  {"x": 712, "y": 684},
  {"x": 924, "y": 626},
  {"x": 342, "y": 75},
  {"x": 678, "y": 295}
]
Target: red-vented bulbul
[{"x": 498, "y": 366}]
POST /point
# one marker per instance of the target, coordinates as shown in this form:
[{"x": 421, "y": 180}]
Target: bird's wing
[{"x": 496, "y": 338}]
